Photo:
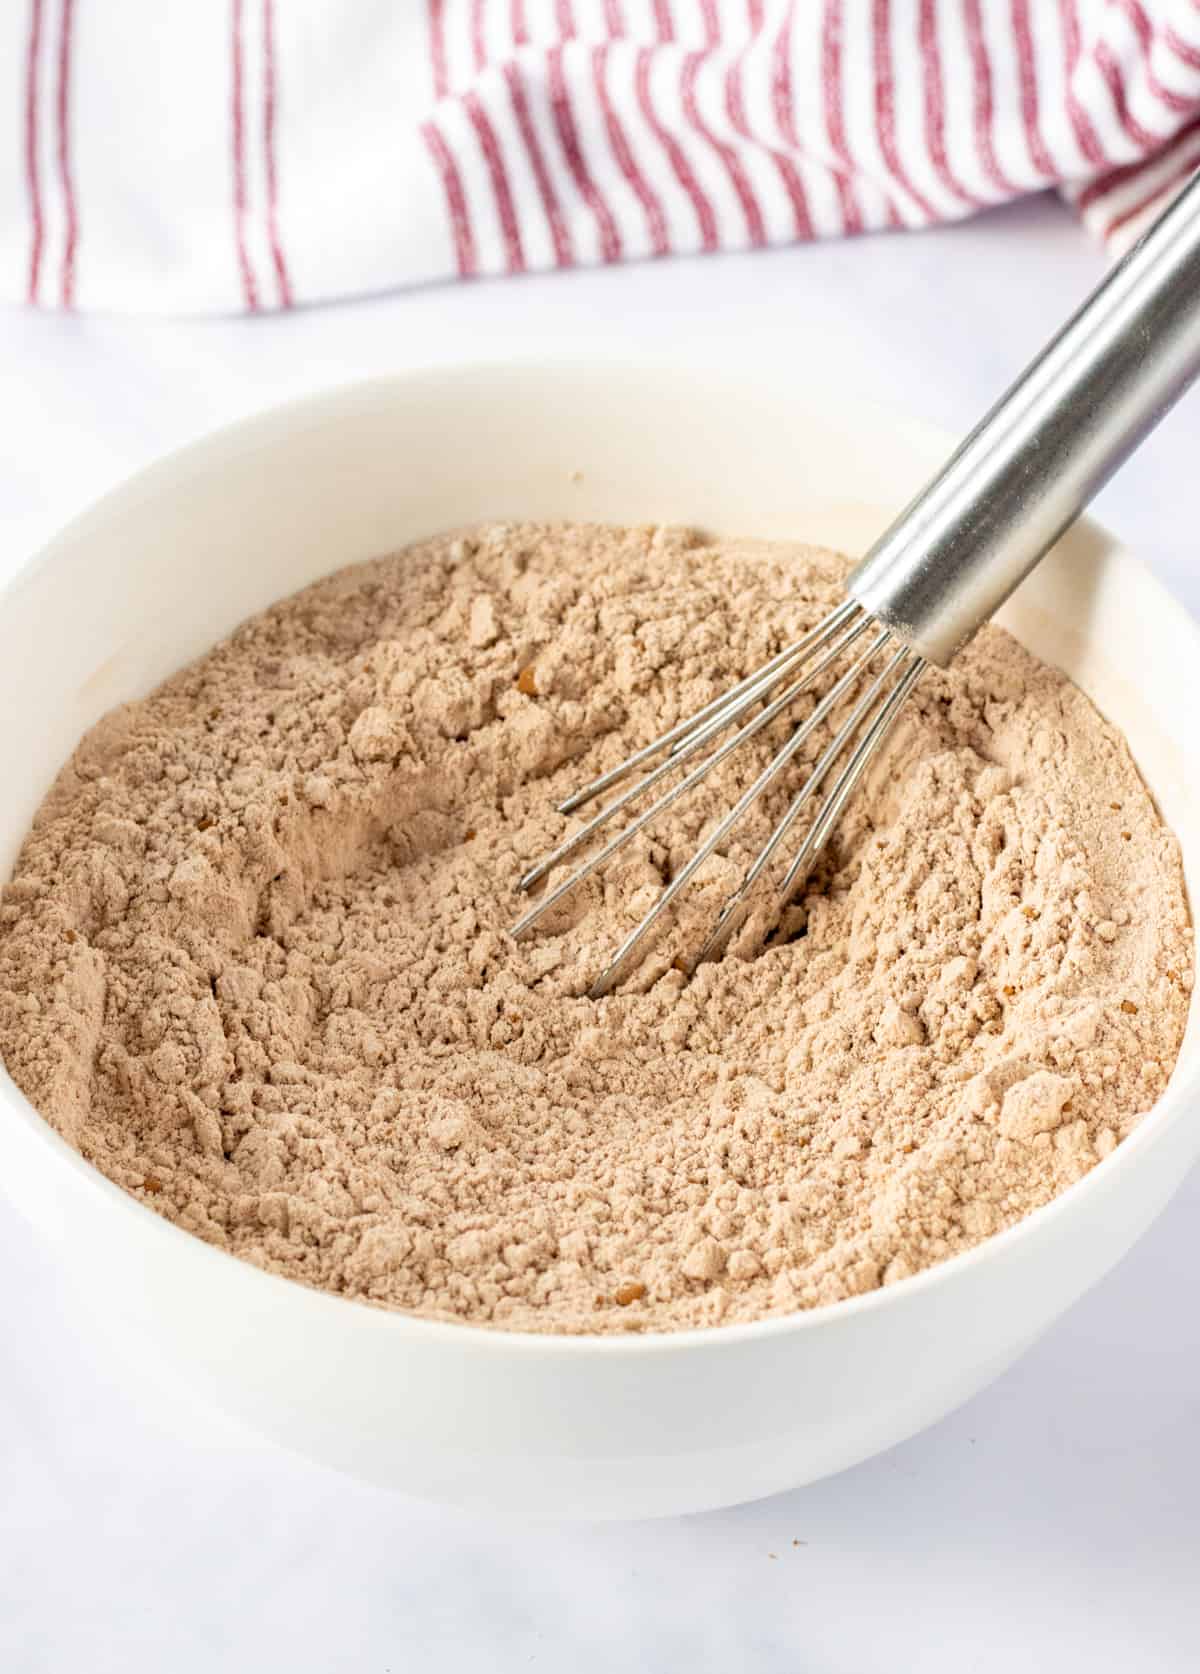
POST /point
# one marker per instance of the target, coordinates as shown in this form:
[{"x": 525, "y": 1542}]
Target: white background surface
[{"x": 1053, "y": 1523}]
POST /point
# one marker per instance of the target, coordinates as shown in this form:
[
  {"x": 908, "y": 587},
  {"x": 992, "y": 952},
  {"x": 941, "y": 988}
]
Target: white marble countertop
[{"x": 1052, "y": 1523}]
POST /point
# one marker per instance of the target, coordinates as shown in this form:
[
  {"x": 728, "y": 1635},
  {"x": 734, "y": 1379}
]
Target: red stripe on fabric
[
  {"x": 33, "y": 184},
  {"x": 1103, "y": 184},
  {"x": 675, "y": 155},
  {"x": 1081, "y": 123},
  {"x": 1183, "y": 172},
  {"x": 885, "y": 106},
  {"x": 797, "y": 197},
  {"x": 63, "y": 156},
  {"x": 437, "y": 48},
  {"x": 1115, "y": 82},
  {"x": 270, "y": 105},
  {"x": 1183, "y": 50},
  {"x": 984, "y": 111},
  {"x": 1110, "y": 181},
  {"x": 1027, "y": 74},
  {"x": 782, "y": 106},
  {"x": 568, "y": 138},
  {"x": 501, "y": 190},
  {"x": 738, "y": 177},
  {"x": 456, "y": 200},
  {"x": 831, "y": 93},
  {"x": 935, "y": 105},
  {"x": 613, "y": 20},
  {"x": 564, "y": 14},
  {"x": 735, "y": 107},
  {"x": 656, "y": 221},
  {"x": 1144, "y": 30},
  {"x": 520, "y": 25},
  {"x": 478, "y": 43},
  {"x": 663, "y": 21},
  {"x": 712, "y": 23},
  {"x": 754, "y": 12},
  {"x": 249, "y": 288},
  {"x": 559, "y": 234}
]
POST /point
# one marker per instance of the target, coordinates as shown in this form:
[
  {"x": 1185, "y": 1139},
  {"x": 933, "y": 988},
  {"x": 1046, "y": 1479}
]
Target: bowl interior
[{"x": 169, "y": 563}]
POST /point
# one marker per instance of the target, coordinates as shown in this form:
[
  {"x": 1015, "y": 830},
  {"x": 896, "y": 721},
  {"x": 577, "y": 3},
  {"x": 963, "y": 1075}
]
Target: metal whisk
[{"x": 942, "y": 569}]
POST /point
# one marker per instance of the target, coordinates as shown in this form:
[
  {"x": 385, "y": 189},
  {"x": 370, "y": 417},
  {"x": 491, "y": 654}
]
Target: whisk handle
[{"x": 1045, "y": 449}]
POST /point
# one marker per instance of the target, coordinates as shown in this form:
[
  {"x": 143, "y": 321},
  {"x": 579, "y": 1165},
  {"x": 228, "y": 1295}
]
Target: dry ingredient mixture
[{"x": 254, "y": 961}]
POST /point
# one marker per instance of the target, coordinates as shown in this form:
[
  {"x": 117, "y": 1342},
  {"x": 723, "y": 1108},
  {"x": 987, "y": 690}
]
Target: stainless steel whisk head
[
  {"x": 837, "y": 770},
  {"x": 944, "y": 566}
]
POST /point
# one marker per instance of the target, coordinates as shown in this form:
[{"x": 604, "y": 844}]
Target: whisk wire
[
  {"x": 745, "y": 693},
  {"x": 613, "y": 971},
  {"x": 847, "y": 781},
  {"x": 688, "y": 746},
  {"x": 733, "y": 911},
  {"x": 629, "y": 832},
  {"x": 796, "y": 668}
]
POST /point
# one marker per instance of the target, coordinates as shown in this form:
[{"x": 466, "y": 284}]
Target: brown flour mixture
[{"x": 254, "y": 962}]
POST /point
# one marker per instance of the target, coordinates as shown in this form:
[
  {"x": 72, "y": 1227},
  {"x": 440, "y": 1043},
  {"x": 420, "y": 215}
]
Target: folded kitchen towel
[{"x": 218, "y": 155}]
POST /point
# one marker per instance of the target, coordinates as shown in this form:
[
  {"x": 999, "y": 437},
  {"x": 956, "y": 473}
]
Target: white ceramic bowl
[{"x": 583, "y": 1427}]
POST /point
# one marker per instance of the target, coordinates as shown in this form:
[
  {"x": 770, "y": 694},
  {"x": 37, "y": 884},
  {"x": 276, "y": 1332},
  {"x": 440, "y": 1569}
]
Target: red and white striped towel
[{"x": 252, "y": 154}]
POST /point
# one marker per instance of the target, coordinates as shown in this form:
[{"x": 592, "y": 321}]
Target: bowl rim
[{"x": 275, "y": 421}]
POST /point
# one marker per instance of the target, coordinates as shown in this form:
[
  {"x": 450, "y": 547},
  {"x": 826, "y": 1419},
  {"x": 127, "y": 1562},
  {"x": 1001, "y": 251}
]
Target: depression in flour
[{"x": 254, "y": 959}]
